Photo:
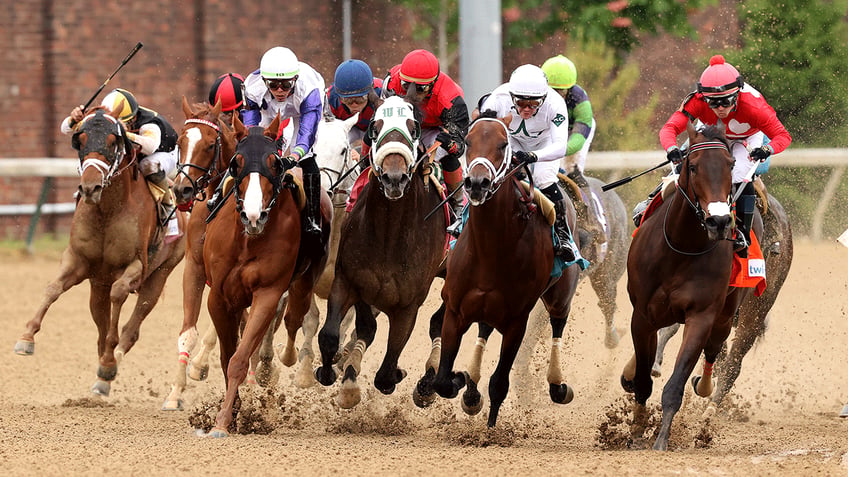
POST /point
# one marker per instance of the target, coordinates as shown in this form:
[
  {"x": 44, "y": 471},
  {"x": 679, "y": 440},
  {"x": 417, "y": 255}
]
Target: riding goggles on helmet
[
  {"x": 533, "y": 102},
  {"x": 721, "y": 102},
  {"x": 419, "y": 88},
  {"x": 283, "y": 84}
]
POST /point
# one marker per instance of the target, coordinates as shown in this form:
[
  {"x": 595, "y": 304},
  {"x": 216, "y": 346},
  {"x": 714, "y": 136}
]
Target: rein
[
  {"x": 115, "y": 157},
  {"x": 499, "y": 175}
]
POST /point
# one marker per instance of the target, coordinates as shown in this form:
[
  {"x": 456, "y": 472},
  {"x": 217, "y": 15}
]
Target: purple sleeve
[
  {"x": 310, "y": 114},
  {"x": 252, "y": 115}
]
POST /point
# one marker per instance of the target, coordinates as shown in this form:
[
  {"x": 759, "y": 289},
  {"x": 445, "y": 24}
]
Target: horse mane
[
  {"x": 489, "y": 113},
  {"x": 715, "y": 133}
]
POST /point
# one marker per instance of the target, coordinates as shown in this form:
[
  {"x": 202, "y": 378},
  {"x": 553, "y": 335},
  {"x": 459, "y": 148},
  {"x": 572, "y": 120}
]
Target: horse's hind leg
[
  {"x": 366, "y": 327},
  {"x": 663, "y": 336},
  {"x": 560, "y": 392},
  {"x": 339, "y": 302},
  {"x": 306, "y": 356},
  {"x": 606, "y": 291},
  {"x": 266, "y": 373},
  {"x": 400, "y": 329},
  {"x": 423, "y": 395},
  {"x": 72, "y": 272},
  {"x": 484, "y": 331},
  {"x": 198, "y": 368}
]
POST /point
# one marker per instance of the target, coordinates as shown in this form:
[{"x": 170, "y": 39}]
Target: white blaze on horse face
[
  {"x": 718, "y": 209},
  {"x": 253, "y": 198},
  {"x": 194, "y": 136}
]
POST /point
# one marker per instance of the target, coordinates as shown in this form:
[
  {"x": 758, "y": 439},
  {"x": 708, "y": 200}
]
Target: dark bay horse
[
  {"x": 388, "y": 253},
  {"x": 752, "y": 318},
  {"x": 116, "y": 243},
  {"x": 253, "y": 253},
  {"x": 500, "y": 266},
  {"x": 678, "y": 271}
]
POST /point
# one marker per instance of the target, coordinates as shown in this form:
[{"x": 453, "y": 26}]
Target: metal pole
[
  {"x": 346, "y": 36},
  {"x": 480, "y": 58}
]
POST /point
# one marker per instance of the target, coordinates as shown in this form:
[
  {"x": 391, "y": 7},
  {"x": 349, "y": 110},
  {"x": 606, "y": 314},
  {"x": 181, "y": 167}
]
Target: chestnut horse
[
  {"x": 500, "y": 266},
  {"x": 388, "y": 253},
  {"x": 751, "y": 322},
  {"x": 678, "y": 271},
  {"x": 116, "y": 243},
  {"x": 253, "y": 253}
]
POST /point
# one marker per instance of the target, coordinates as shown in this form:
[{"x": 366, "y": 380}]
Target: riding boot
[
  {"x": 163, "y": 195},
  {"x": 214, "y": 200},
  {"x": 744, "y": 221},
  {"x": 456, "y": 204},
  {"x": 312, "y": 188},
  {"x": 566, "y": 247},
  {"x": 640, "y": 208}
]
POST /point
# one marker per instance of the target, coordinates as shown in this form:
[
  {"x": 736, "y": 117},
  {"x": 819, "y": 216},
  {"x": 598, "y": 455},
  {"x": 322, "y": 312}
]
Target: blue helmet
[{"x": 353, "y": 78}]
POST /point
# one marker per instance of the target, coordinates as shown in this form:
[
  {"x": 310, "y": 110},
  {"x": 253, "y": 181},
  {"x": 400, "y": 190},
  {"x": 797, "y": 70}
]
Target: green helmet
[{"x": 560, "y": 71}]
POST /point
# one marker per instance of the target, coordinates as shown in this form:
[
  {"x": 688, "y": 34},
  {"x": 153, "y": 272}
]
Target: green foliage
[
  {"x": 794, "y": 55},
  {"x": 608, "y": 85},
  {"x": 614, "y": 23}
]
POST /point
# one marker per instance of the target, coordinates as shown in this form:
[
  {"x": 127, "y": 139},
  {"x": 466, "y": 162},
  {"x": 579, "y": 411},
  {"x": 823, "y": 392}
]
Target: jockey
[
  {"x": 229, "y": 90},
  {"x": 538, "y": 135},
  {"x": 294, "y": 90},
  {"x": 354, "y": 90},
  {"x": 723, "y": 95},
  {"x": 445, "y": 116},
  {"x": 562, "y": 77},
  {"x": 155, "y": 137}
]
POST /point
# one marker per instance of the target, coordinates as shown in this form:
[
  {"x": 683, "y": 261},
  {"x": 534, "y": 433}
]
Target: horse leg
[
  {"x": 663, "y": 336},
  {"x": 400, "y": 329},
  {"x": 339, "y": 302},
  {"x": 98, "y": 304},
  {"x": 258, "y": 322},
  {"x": 752, "y": 322},
  {"x": 499, "y": 382},
  {"x": 560, "y": 392},
  {"x": 447, "y": 382},
  {"x": 194, "y": 281},
  {"x": 366, "y": 327},
  {"x": 644, "y": 345},
  {"x": 349, "y": 319},
  {"x": 71, "y": 272},
  {"x": 266, "y": 373},
  {"x": 303, "y": 377},
  {"x": 423, "y": 395},
  {"x": 198, "y": 368},
  {"x": 484, "y": 331},
  {"x": 605, "y": 289}
]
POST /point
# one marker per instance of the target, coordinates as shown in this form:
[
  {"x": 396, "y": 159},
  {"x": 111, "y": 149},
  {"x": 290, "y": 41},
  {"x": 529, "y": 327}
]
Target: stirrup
[
  {"x": 454, "y": 228},
  {"x": 566, "y": 252},
  {"x": 166, "y": 212}
]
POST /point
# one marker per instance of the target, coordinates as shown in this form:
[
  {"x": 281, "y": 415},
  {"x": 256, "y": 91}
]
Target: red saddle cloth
[{"x": 750, "y": 272}]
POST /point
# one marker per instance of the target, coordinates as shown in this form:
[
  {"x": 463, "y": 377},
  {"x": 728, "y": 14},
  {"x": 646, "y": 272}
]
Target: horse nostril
[
  {"x": 467, "y": 182},
  {"x": 243, "y": 217},
  {"x": 487, "y": 183},
  {"x": 263, "y": 217}
]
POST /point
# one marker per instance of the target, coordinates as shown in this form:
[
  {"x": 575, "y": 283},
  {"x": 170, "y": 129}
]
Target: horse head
[
  {"x": 258, "y": 171},
  {"x": 102, "y": 144},
  {"x": 205, "y": 144},
  {"x": 394, "y": 134},
  {"x": 333, "y": 154},
  {"x": 706, "y": 180},
  {"x": 489, "y": 154}
]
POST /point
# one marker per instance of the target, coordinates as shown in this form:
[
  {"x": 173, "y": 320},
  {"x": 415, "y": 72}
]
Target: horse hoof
[
  {"x": 628, "y": 385},
  {"x": 267, "y": 375},
  {"x": 561, "y": 393},
  {"x": 349, "y": 395},
  {"x": 169, "y": 405},
  {"x": 656, "y": 371},
  {"x": 107, "y": 373},
  {"x": 198, "y": 373},
  {"x": 611, "y": 339},
  {"x": 304, "y": 378},
  {"x": 423, "y": 395},
  {"x": 101, "y": 388},
  {"x": 710, "y": 411},
  {"x": 472, "y": 401},
  {"x": 218, "y": 433},
  {"x": 25, "y": 347},
  {"x": 325, "y": 375}
]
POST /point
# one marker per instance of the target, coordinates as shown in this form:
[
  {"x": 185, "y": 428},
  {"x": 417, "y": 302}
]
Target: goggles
[
  {"x": 354, "y": 100},
  {"x": 419, "y": 88},
  {"x": 721, "y": 102},
  {"x": 283, "y": 84},
  {"x": 527, "y": 102}
]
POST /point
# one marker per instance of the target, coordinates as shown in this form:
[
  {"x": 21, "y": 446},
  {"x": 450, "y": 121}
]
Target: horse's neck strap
[{"x": 203, "y": 121}]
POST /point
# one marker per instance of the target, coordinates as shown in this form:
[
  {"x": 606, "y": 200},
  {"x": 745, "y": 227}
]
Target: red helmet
[
  {"x": 420, "y": 67},
  {"x": 719, "y": 79},
  {"x": 228, "y": 89}
]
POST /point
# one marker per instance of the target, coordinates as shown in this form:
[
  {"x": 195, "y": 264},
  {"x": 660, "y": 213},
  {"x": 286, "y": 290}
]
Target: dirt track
[{"x": 781, "y": 419}]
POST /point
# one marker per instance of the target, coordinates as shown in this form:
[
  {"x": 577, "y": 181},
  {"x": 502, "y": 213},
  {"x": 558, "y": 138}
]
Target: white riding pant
[
  {"x": 545, "y": 173},
  {"x": 739, "y": 149},
  {"x": 161, "y": 161}
]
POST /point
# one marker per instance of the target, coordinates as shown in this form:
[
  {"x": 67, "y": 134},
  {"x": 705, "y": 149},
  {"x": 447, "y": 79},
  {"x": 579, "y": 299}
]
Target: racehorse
[
  {"x": 388, "y": 253},
  {"x": 500, "y": 266},
  {"x": 752, "y": 318},
  {"x": 678, "y": 271},
  {"x": 116, "y": 243},
  {"x": 253, "y": 253}
]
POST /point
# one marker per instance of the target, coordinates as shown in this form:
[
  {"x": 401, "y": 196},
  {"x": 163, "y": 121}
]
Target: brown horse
[
  {"x": 678, "y": 271},
  {"x": 777, "y": 246},
  {"x": 253, "y": 253},
  {"x": 388, "y": 254},
  {"x": 500, "y": 266},
  {"x": 116, "y": 243}
]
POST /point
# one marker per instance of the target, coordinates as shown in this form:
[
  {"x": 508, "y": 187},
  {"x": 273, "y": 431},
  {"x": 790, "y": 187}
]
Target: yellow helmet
[
  {"x": 560, "y": 71},
  {"x": 123, "y": 103}
]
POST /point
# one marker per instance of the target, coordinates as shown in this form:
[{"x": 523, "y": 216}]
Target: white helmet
[
  {"x": 528, "y": 82},
  {"x": 279, "y": 63}
]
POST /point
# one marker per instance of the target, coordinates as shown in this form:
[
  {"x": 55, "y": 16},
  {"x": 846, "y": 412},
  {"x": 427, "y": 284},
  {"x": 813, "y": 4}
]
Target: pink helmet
[{"x": 719, "y": 79}]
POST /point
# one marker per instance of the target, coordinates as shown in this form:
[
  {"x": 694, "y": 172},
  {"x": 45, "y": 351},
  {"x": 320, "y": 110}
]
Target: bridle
[
  {"x": 103, "y": 125},
  {"x": 208, "y": 173},
  {"x": 498, "y": 174}
]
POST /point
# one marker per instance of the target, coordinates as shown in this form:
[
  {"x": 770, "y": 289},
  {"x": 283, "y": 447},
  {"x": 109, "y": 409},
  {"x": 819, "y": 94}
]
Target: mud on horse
[
  {"x": 500, "y": 266},
  {"x": 253, "y": 253},
  {"x": 678, "y": 271},
  {"x": 116, "y": 243},
  {"x": 388, "y": 254}
]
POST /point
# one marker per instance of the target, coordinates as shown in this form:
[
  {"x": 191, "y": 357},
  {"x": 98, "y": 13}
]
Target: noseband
[
  {"x": 498, "y": 174},
  {"x": 208, "y": 173}
]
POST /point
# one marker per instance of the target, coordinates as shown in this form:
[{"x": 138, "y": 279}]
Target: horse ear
[
  {"x": 216, "y": 111},
  {"x": 374, "y": 130},
  {"x": 187, "y": 109},
  {"x": 506, "y": 119},
  {"x": 273, "y": 128},
  {"x": 238, "y": 128},
  {"x": 721, "y": 127},
  {"x": 414, "y": 129},
  {"x": 690, "y": 130},
  {"x": 350, "y": 122},
  {"x": 475, "y": 114}
]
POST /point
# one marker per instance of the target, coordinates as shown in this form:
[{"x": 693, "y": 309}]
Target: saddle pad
[{"x": 750, "y": 272}]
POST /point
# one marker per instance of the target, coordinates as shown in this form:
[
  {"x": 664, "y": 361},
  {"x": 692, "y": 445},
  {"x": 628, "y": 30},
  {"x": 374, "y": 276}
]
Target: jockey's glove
[
  {"x": 448, "y": 143},
  {"x": 762, "y": 153},
  {"x": 674, "y": 155},
  {"x": 524, "y": 157},
  {"x": 289, "y": 162}
]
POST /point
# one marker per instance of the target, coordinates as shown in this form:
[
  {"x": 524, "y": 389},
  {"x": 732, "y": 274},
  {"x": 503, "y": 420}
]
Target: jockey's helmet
[
  {"x": 560, "y": 71},
  {"x": 419, "y": 67},
  {"x": 353, "y": 78},
  {"x": 227, "y": 89},
  {"x": 528, "y": 82},
  {"x": 279, "y": 63},
  {"x": 121, "y": 102},
  {"x": 719, "y": 79}
]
